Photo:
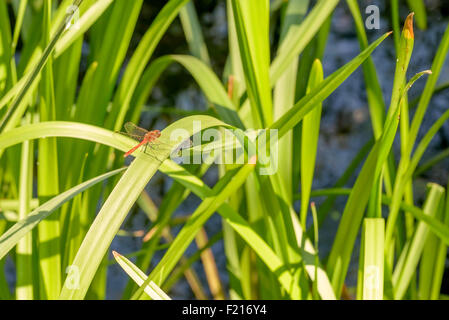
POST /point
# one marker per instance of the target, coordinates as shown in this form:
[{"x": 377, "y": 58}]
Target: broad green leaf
[
  {"x": 255, "y": 241},
  {"x": 120, "y": 201},
  {"x": 220, "y": 193},
  {"x": 373, "y": 258}
]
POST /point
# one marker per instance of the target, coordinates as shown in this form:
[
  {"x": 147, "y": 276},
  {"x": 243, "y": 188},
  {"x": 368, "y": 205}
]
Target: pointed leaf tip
[{"x": 408, "y": 27}]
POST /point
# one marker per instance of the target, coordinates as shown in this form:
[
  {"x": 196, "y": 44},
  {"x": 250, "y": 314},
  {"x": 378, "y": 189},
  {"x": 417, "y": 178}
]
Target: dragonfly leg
[{"x": 154, "y": 152}]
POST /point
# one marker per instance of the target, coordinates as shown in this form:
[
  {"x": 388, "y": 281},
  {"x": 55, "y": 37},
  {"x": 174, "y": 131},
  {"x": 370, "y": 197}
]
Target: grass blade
[
  {"x": 224, "y": 188},
  {"x": 87, "y": 19},
  {"x": 297, "y": 39},
  {"x": 138, "y": 61},
  {"x": 284, "y": 93},
  {"x": 193, "y": 33},
  {"x": 306, "y": 104},
  {"x": 419, "y": 8},
  {"x": 404, "y": 272},
  {"x": 309, "y": 142},
  {"x": 48, "y": 180},
  {"x": 18, "y": 24},
  {"x": 25, "y": 283},
  {"x": 118, "y": 204},
  {"x": 252, "y": 238},
  {"x": 5, "y": 121},
  {"x": 139, "y": 277},
  {"x": 373, "y": 263},
  {"x": 10, "y": 238},
  {"x": 251, "y": 19}
]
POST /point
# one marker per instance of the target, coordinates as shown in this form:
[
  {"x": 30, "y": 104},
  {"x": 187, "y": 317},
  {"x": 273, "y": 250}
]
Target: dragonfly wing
[
  {"x": 133, "y": 136},
  {"x": 134, "y": 130},
  {"x": 172, "y": 149},
  {"x": 183, "y": 145},
  {"x": 157, "y": 149},
  {"x": 160, "y": 146}
]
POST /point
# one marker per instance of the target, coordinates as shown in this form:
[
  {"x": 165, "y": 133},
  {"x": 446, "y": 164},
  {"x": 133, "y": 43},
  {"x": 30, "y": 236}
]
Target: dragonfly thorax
[{"x": 153, "y": 135}]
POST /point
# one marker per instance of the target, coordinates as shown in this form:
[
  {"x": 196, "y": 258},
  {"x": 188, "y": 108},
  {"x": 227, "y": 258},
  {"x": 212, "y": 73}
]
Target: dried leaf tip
[
  {"x": 408, "y": 27},
  {"x": 115, "y": 254}
]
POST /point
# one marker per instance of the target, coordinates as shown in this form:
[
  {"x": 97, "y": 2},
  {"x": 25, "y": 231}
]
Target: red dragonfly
[{"x": 144, "y": 136}]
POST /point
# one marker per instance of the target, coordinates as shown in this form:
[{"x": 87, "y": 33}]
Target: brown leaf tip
[{"x": 408, "y": 27}]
